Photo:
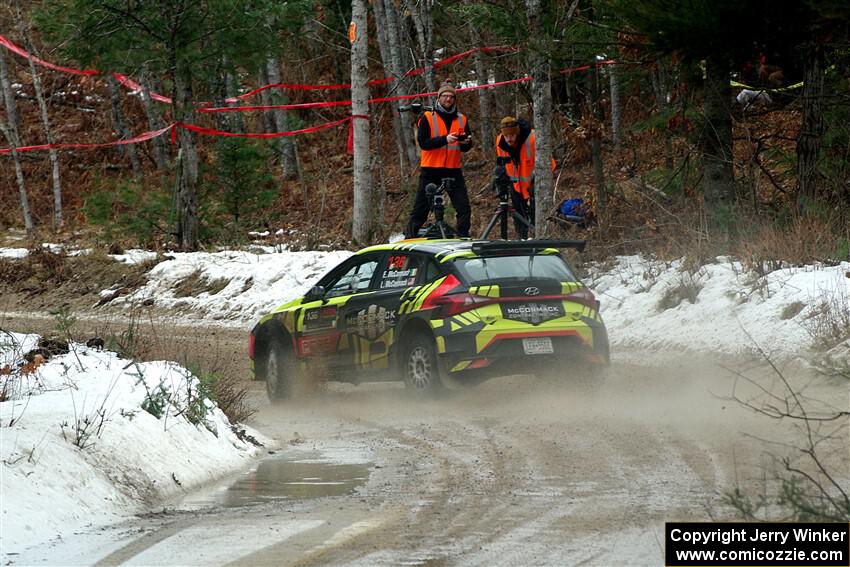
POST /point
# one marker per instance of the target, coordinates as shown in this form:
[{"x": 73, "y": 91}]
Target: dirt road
[{"x": 514, "y": 472}]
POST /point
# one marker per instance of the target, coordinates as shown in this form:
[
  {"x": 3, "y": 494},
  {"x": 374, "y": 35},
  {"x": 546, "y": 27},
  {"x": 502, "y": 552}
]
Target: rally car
[{"x": 424, "y": 311}]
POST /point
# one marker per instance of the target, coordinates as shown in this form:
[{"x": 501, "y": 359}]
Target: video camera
[
  {"x": 415, "y": 107},
  {"x": 502, "y": 182},
  {"x": 436, "y": 196}
]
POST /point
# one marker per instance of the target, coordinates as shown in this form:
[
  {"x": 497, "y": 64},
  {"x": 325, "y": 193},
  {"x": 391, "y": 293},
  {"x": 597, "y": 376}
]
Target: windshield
[{"x": 515, "y": 267}]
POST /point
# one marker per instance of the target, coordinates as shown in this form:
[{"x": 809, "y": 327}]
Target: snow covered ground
[
  {"x": 87, "y": 438},
  {"x": 78, "y": 448}
]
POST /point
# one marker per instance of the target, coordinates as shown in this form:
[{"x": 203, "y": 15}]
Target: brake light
[
  {"x": 449, "y": 300},
  {"x": 583, "y": 296},
  {"x": 455, "y": 303},
  {"x": 251, "y": 341}
]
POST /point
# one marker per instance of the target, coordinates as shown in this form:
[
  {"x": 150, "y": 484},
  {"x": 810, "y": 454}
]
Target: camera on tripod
[
  {"x": 436, "y": 196},
  {"x": 502, "y": 182}
]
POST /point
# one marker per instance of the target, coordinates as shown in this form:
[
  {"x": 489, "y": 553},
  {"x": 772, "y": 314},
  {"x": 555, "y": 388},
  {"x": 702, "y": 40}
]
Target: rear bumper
[{"x": 584, "y": 343}]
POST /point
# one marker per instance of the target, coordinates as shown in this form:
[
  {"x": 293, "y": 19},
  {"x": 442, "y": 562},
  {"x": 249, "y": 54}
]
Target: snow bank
[
  {"x": 78, "y": 448},
  {"x": 252, "y": 283},
  {"x": 732, "y": 313}
]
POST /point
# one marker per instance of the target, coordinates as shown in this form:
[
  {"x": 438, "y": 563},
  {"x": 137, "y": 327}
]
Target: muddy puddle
[{"x": 281, "y": 478}]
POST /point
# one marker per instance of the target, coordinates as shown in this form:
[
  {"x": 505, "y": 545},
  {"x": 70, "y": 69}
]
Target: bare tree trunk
[
  {"x": 614, "y": 81},
  {"x": 121, "y": 127},
  {"x": 289, "y": 162},
  {"x": 484, "y": 108},
  {"x": 811, "y": 131},
  {"x": 424, "y": 24},
  {"x": 10, "y": 131},
  {"x": 505, "y": 103},
  {"x": 266, "y": 99},
  {"x": 719, "y": 178},
  {"x": 596, "y": 143},
  {"x": 45, "y": 121},
  {"x": 154, "y": 122},
  {"x": 659, "y": 86},
  {"x": 397, "y": 46},
  {"x": 384, "y": 47},
  {"x": 188, "y": 221},
  {"x": 361, "y": 226},
  {"x": 541, "y": 92}
]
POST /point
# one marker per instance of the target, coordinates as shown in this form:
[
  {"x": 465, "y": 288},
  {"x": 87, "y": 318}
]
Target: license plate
[{"x": 537, "y": 345}]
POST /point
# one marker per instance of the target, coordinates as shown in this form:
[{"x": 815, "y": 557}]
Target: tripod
[
  {"x": 501, "y": 214},
  {"x": 437, "y": 200}
]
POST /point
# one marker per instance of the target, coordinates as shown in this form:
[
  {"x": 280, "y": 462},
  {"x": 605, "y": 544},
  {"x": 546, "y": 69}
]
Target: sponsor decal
[
  {"x": 320, "y": 318},
  {"x": 534, "y": 313},
  {"x": 370, "y": 322}
]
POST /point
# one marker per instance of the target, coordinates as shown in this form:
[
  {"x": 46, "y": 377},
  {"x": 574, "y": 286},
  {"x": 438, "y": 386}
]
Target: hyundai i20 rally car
[{"x": 424, "y": 311}]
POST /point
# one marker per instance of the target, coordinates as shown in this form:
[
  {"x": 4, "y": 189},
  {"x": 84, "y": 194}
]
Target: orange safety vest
[
  {"x": 448, "y": 156},
  {"x": 522, "y": 175}
]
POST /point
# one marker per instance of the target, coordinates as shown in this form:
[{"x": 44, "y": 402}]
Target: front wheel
[
  {"x": 280, "y": 369},
  {"x": 420, "y": 367}
]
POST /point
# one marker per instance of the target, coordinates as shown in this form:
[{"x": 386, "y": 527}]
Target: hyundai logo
[{"x": 532, "y": 291}]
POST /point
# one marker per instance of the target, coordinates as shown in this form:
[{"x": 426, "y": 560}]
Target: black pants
[
  {"x": 526, "y": 209},
  {"x": 458, "y": 196}
]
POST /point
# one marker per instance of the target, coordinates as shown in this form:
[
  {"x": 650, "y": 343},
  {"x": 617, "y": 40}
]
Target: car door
[
  {"x": 322, "y": 329},
  {"x": 371, "y": 320}
]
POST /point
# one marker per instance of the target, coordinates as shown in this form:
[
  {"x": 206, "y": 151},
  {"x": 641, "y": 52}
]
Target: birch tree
[
  {"x": 541, "y": 92},
  {"x": 45, "y": 120},
  {"x": 10, "y": 132},
  {"x": 362, "y": 217},
  {"x": 397, "y": 46},
  {"x": 384, "y": 47}
]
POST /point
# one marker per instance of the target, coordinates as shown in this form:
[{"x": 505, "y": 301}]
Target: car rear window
[{"x": 521, "y": 266}]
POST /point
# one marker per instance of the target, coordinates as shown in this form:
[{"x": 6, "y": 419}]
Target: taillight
[
  {"x": 455, "y": 303},
  {"x": 584, "y": 297},
  {"x": 449, "y": 300},
  {"x": 251, "y": 340}
]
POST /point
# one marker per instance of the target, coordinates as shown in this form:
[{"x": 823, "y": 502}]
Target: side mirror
[{"x": 316, "y": 292}]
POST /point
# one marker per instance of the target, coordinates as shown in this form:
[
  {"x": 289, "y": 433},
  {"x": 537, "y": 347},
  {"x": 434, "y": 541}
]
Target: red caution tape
[
  {"x": 350, "y": 144},
  {"x": 15, "y": 49},
  {"x": 214, "y": 132},
  {"x": 134, "y": 86},
  {"x": 140, "y": 138},
  {"x": 586, "y": 67},
  {"x": 307, "y": 105}
]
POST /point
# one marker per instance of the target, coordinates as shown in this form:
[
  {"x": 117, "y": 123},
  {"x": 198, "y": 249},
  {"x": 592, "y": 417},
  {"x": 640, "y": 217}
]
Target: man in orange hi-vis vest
[
  {"x": 443, "y": 134},
  {"x": 517, "y": 141}
]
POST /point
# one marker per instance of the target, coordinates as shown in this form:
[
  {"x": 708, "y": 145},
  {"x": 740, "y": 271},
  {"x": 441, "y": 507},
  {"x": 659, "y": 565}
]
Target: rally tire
[
  {"x": 420, "y": 366},
  {"x": 280, "y": 370}
]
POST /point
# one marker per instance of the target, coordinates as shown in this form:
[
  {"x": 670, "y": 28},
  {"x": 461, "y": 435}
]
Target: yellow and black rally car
[{"x": 418, "y": 310}]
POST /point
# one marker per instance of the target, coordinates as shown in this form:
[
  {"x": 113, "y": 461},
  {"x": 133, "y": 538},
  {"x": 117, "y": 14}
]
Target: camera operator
[
  {"x": 443, "y": 134},
  {"x": 517, "y": 143}
]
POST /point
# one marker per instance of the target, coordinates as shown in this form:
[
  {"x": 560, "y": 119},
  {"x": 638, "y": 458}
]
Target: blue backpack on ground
[
  {"x": 575, "y": 212},
  {"x": 572, "y": 208}
]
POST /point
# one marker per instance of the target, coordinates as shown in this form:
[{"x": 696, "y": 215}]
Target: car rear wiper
[{"x": 484, "y": 247}]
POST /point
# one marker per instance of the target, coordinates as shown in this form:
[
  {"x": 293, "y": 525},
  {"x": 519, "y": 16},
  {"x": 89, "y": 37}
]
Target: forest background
[{"x": 636, "y": 101}]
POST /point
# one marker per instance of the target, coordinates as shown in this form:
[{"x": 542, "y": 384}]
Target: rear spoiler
[{"x": 486, "y": 246}]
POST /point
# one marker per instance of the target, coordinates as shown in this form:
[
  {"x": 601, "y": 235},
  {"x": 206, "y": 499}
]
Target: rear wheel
[{"x": 420, "y": 367}]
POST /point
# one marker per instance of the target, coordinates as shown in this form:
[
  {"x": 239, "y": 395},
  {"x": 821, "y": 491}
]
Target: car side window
[
  {"x": 355, "y": 280},
  {"x": 400, "y": 271},
  {"x": 432, "y": 271}
]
